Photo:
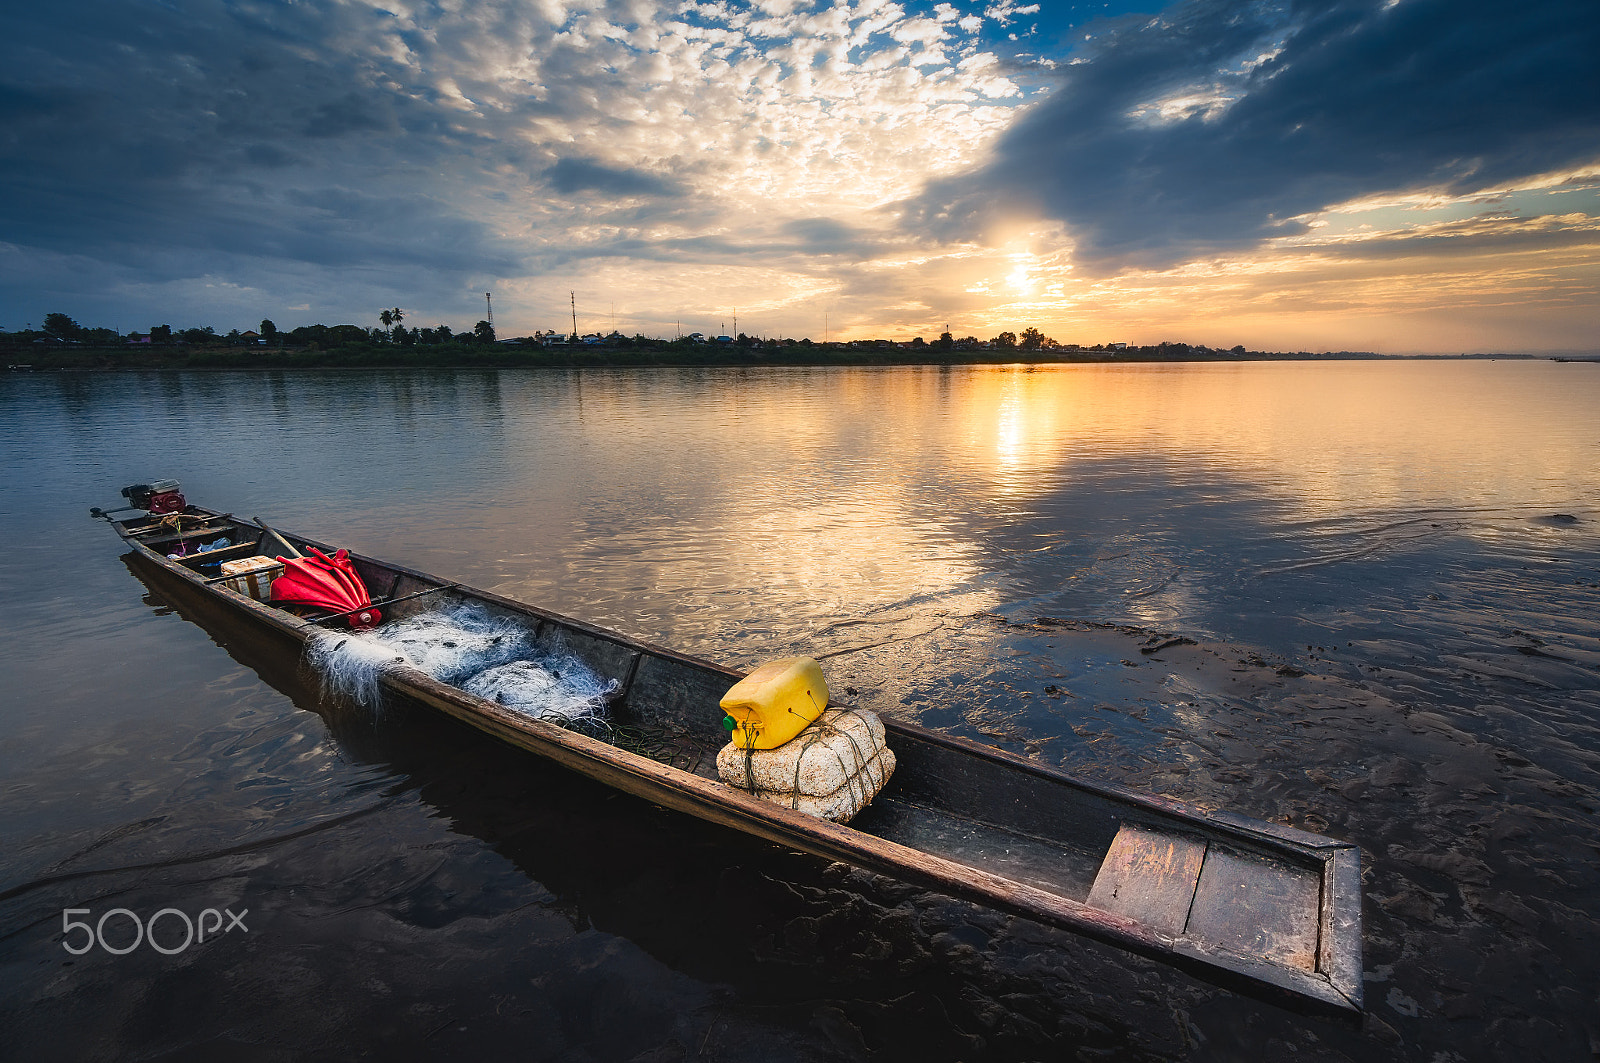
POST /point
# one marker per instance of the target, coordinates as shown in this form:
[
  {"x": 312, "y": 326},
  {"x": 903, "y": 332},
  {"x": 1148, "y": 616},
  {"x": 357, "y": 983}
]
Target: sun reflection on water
[{"x": 792, "y": 497}]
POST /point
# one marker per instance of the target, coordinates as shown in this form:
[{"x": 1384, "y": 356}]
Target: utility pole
[
  {"x": 574, "y": 297},
  {"x": 488, "y": 304},
  {"x": 736, "y": 322}
]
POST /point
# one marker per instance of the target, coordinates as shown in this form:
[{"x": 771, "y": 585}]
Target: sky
[{"x": 1385, "y": 175}]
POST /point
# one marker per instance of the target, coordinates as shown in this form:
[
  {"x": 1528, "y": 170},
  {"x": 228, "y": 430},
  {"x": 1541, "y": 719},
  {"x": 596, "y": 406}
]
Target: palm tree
[
  {"x": 398, "y": 315},
  {"x": 387, "y": 317}
]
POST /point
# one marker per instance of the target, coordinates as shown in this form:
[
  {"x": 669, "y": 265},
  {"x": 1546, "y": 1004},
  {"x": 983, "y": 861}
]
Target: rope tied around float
[{"x": 818, "y": 732}]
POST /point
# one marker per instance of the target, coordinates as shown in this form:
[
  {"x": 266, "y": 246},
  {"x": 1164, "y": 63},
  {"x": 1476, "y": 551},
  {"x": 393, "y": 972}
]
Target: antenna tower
[
  {"x": 488, "y": 304},
  {"x": 574, "y": 297}
]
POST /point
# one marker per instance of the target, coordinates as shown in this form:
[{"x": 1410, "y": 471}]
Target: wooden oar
[{"x": 285, "y": 542}]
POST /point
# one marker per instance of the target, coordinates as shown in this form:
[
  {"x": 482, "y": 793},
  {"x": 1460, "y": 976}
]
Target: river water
[{"x": 1421, "y": 539}]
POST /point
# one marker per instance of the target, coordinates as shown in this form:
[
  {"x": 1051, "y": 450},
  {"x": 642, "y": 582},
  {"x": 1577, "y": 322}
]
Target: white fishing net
[
  {"x": 463, "y": 645},
  {"x": 349, "y": 664},
  {"x": 560, "y": 688}
]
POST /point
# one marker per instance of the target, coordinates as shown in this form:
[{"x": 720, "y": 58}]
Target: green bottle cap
[{"x": 729, "y": 724}]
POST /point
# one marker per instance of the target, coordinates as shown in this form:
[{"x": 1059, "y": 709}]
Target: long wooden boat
[{"x": 1259, "y": 908}]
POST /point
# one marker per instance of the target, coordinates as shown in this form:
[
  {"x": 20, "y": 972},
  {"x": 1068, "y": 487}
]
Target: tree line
[
  {"x": 393, "y": 341},
  {"x": 392, "y": 331},
  {"x": 62, "y": 329}
]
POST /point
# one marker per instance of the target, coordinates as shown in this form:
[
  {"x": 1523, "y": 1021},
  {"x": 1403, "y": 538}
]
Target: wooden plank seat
[
  {"x": 1150, "y": 876},
  {"x": 1191, "y": 888}
]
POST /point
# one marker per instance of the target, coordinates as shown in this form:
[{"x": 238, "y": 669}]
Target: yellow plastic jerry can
[{"x": 775, "y": 702}]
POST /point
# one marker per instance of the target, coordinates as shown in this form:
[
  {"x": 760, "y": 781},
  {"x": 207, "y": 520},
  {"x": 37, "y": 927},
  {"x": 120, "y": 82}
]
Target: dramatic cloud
[
  {"x": 582, "y": 175},
  {"x": 886, "y": 168},
  {"x": 478, "y": 143},
  {"x": 1217, "y": 126}
]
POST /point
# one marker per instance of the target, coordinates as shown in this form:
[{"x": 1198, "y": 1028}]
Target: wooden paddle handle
[{"x": 285, "y": 542}]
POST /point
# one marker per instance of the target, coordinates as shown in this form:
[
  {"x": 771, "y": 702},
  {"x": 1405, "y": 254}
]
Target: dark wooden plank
[
  {"x": 669, "y": 691},
  {"x": 1339, "y": 953},
  {"x": 1259, "y": 907},
  {"x": 1150, "y": 876},
  {"x": 1290, "y": 987},
  {"x": 187, "y": 527},
  {"x": 1307, "y": 850},
  {"x": 993, "y": 790},
  {"x": 1278, "y": 831}
]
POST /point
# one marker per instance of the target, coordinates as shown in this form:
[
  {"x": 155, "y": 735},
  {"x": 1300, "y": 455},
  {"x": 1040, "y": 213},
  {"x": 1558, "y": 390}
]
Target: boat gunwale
[{"x": 1333, "y": 988}]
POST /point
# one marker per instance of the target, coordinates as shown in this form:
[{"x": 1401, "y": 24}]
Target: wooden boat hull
[{"x": 1260, "y": 908}]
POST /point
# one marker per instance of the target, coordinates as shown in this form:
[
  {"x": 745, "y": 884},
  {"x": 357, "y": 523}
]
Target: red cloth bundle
[{"x": 325, "y": 582}]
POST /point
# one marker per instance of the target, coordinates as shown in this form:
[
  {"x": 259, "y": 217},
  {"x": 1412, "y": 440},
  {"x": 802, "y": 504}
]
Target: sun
[{"x": 1024, "y": 277}]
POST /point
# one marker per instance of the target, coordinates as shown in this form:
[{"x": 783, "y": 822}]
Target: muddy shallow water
[{"x": 1371, "y": 594}]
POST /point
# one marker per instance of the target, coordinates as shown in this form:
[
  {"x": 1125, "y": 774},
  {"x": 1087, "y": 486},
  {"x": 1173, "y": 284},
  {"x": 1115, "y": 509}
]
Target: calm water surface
[{"x": 1421, "y": 539}]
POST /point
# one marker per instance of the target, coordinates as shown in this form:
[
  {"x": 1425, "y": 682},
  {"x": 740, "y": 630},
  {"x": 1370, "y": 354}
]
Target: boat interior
[{"x": 1183, "y": 875}]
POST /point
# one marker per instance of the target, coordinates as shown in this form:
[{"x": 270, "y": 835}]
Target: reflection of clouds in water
[
  {"x": 749, "y": 502},
  {"x": 1329, "y": 438},
  {"x": 696, "y": 502},
  {"x": 774, "y": 571},
  {"x": 841, "y": 540},
  {"x": 1152, "y": 492},
  {"x": 701, "y": 502},
  {"x": 1150, "y": 587}
]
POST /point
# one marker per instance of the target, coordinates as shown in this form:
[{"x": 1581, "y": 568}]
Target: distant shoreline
[{"x": 245, "y": 359}]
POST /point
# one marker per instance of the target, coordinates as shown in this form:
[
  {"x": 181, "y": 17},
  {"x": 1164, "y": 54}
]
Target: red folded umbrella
[{"x": 325, "y": 582}]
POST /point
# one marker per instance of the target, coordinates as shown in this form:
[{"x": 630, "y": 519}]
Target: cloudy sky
[{"x": 1393, "y": 175}]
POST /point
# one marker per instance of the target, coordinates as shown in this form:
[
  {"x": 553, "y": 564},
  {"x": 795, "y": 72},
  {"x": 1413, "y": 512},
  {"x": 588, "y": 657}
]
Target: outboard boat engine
[{"x": 156, "y": 497}]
